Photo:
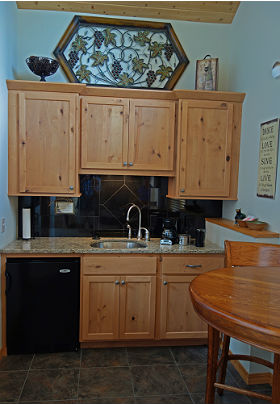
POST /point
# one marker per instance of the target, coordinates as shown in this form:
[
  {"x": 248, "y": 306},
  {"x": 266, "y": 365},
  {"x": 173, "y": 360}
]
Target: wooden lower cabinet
[
  {"x": 100, "y": 303},
  {"x": 177, "y": 316},
  {"x": 123, "y": 298},
  {"x": 119, "y": 305},
  {"x": 137, "y": 307}
]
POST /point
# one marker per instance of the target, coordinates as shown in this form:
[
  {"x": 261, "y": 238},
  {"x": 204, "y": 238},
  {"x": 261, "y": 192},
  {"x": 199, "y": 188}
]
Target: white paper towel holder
[{"x": 26, "y": 223}]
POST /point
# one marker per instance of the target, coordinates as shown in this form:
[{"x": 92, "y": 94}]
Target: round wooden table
[{"x": 244, "y": 303}]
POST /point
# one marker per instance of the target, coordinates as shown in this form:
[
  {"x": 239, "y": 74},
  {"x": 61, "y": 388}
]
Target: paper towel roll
[{"x": 26, "y": 223}]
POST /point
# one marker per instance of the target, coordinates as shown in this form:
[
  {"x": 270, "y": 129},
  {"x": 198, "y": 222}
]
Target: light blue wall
[
  {"x": 8, "y": 206},
  {"x": 7, "y": 65},
  {"x": 45, "y": 28},
  {"x": 254, "y": 44}
]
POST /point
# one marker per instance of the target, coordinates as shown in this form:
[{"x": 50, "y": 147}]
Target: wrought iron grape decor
[{"x": 121, "y": 53}]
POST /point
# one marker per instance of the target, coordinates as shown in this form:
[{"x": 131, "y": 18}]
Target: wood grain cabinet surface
[
  {"x": 142, "y": 297},
  {"x": 118, "y": 306},
  {"x": 60, "y": 130},
  {"x": 133, "y": 135},
  {"x": 43, "y": 143},
  {"x": 207, "y": 149},
  {"x": 178, "y": 320}
]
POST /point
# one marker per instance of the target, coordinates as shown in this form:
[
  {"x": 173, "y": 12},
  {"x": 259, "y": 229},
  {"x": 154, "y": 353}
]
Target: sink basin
[{"x": 118, "y": 244}]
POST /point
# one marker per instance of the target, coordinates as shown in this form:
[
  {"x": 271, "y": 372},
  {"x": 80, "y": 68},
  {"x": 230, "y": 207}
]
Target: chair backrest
[{"x": 239, "y": 253}]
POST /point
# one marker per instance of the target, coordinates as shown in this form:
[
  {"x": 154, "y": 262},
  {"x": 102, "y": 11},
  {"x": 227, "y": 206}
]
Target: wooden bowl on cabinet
[{"x": 257, "y": 225}]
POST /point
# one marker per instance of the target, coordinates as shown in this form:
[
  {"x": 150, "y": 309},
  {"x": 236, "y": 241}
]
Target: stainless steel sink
[{"x": 118, "y": 244}]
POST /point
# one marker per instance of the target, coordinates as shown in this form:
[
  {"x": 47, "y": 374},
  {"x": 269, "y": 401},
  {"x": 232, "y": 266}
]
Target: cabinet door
[
  {"x": 47, "y": 133},
  {"x": 100, "y": 308},
  {"x": 205, "y": 147},
  {"x": 104, "y": 132},
  {"x": 137, "y": 307},
  {"x": 151, "y": 135},
  {"x": 177, "y": 316}
]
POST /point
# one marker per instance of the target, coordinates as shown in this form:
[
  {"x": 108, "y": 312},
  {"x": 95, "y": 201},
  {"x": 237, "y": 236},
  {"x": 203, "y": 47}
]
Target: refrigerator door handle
[
  {"x": 8, "y": 282},
  {"x": 65, "y": 271}
]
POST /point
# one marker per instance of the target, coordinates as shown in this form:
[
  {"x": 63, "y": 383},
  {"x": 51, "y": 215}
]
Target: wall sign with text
[{"x": 268, "y": 159}]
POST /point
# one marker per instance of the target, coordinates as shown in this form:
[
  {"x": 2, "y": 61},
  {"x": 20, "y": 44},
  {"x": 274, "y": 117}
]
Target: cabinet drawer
[
  {"x": 191, "y": 264},
  {"x": 118, "y": 264}
]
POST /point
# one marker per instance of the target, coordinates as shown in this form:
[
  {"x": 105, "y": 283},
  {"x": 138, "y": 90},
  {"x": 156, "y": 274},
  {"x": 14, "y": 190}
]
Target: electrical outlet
[{"x": 3, "y": 225}]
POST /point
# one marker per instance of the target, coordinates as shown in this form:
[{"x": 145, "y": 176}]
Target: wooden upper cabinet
[
  {"x": 205, "y": 138},
  {"x": 104, "y": 132},
  {"x": 133, "y": 135},
  {"x": 151, "y": 135},
  {"x": 208, "y": 145},
  {"x": 42, "y": 143}
]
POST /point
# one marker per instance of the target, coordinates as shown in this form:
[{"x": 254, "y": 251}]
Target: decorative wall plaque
[
  {"x": 121, "y": 53},
  {"x": 268, "y": 159}
]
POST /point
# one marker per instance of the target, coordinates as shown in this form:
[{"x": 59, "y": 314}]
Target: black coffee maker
[{"x": 169, "y": 231}]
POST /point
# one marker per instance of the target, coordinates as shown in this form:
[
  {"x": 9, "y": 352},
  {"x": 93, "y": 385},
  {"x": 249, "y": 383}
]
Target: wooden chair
[{"x": 246, "y": 254}]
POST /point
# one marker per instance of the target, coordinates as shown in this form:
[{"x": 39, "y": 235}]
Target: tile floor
[{"x": 114, "y": 376}]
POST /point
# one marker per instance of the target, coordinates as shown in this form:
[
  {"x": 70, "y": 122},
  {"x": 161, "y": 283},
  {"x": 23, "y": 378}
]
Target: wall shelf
[{"x": 229, "y": 224}]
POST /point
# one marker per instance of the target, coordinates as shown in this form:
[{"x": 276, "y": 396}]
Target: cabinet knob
[
  {"x": 125, "y": 163},
  {"x": 193, "y": 266},
  {"x": 130, "y": 163},
  {"x": 71, "y": 187},
  {"x": 228, "y": 158},
  {"x": 165, "y": 282},
  {"x": 123, "y": 282},
  {"x": 182, "y": 190},
  {"x": 117, "y": 282}
]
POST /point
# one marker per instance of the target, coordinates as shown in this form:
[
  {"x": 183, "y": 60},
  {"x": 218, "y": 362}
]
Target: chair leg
[
  {"x": 276, "y": 380},
  {"x": 224, "y": 362},
  {"x": 213, "y": 348}
]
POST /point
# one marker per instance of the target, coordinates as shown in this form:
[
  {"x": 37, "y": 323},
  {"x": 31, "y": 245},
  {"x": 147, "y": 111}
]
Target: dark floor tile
[
  {"x": 226, "y": 398},
  {"x": 149, "y": 356},
  {"x": 15, "y": 362},
  {"x": 104, "y": 357},
  {"x": 105, "y": 382},
  {"x": 195, "y": 377},
  {"x": 11, "y": 384},
  {"x": 56, "y": 360},
  {"x": 187, "y": 354},
  {"x": 57, "y": 384},
  {"x": 257, "y": 401},
  {"x": 157, "y": 380},
  {"x": 181, "y": 399},
  {"x": 109, "y": 400}
]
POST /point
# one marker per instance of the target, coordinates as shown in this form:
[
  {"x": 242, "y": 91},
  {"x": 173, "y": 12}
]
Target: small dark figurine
[{"x": 239, "y": 215}]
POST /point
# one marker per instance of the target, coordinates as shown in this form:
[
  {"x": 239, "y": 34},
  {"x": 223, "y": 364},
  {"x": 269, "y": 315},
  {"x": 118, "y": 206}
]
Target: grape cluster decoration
[{"x": 122, "y": 55}]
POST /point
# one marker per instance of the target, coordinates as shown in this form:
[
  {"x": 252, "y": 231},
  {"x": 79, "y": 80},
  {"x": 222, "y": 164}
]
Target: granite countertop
[{"x": 81, "y": 245}]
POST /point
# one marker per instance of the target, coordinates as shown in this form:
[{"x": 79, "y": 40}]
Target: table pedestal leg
[
  {"x": 276, "y": 380},
  {"x": 213, "y": 348}
]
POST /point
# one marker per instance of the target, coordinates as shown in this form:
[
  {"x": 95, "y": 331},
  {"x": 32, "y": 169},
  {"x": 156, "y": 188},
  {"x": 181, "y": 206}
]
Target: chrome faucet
[{"x": 139, "y": 223}]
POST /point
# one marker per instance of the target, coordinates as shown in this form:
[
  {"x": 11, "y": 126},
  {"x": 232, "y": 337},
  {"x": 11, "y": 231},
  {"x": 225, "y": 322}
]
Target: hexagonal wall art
[{"x": 121, "y": 53}]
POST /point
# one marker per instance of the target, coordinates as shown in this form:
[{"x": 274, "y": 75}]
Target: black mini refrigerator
[{"x": 42, "y": 298}]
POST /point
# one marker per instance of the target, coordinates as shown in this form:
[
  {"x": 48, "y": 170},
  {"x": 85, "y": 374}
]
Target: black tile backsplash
[{"x": 103, "y": 205}]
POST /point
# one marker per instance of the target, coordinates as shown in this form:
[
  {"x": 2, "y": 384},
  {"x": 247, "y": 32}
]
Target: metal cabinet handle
[
  {"x": 125, "y": 163},
  {"x": 130, "y": 163},
  {"x": 193, "y": 266},
  {"x": 71, "y": 187},
  {"x": 182, "y": 190},
  {"x": 165, "y": 282},
  {"x": 117, "y": 282},
  {"x": 123, "y": 282}
]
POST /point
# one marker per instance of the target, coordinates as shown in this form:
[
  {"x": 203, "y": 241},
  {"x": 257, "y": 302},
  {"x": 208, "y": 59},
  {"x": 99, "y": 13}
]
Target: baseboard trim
[{"x": 251, "y": 378}]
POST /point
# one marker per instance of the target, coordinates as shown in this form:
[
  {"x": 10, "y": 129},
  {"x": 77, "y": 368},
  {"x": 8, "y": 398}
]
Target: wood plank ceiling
[{"x": 220, "y": 12}]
